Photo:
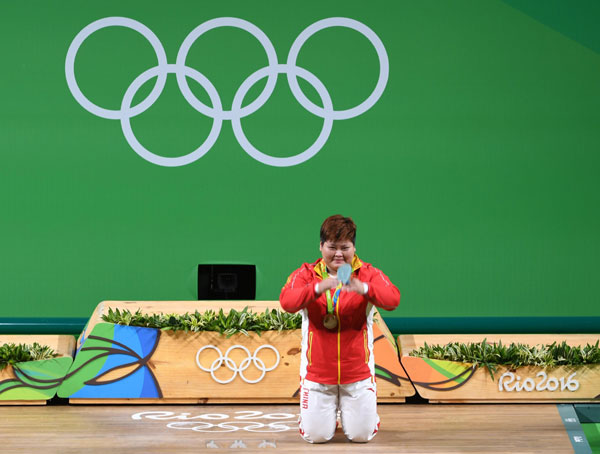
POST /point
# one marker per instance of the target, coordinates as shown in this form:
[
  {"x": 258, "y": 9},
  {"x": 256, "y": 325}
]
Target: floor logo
[
  {"x": 245, "y": 420},
  {"x": 216, "y": 112}
]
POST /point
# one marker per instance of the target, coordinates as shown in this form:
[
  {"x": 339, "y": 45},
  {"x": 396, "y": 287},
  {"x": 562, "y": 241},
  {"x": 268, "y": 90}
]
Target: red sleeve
[
  {"x": 299, "y": 290},
  {"x": 382, "y": 293}
]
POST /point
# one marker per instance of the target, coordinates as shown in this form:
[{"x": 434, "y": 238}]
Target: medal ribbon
[{"x": 336, "y": 295}]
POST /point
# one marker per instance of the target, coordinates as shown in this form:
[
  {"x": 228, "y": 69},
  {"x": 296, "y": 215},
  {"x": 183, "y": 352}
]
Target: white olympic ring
[
  {"x": 216, "y": 112},
  {"x": 230, "y": 364}
]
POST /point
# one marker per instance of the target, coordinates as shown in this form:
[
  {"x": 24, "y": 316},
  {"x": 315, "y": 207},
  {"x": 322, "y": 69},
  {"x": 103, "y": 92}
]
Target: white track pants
[{"x": 357, "y": 403}]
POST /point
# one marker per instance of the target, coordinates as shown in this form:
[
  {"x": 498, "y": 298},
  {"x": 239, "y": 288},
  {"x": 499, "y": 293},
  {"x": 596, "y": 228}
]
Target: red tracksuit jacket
[{"x": 345, "y": 354}]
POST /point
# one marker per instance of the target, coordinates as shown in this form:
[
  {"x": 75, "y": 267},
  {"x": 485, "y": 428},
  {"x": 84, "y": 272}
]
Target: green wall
[{"x": 474, "y": 179}]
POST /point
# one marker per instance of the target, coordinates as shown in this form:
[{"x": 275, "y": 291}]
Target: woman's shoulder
[
  {"x": 367, "y": 268},
  {"x": 305, "y": 272},
  {"x": 310, "y": 267}
]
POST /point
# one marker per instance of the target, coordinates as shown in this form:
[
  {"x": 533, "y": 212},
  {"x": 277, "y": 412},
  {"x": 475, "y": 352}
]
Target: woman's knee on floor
[
  {"x": 359, "y": 431},
  {"x": 316, "y": 431}
]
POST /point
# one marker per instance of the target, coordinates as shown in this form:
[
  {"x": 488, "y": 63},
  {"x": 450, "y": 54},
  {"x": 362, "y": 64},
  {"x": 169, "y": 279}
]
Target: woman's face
[{"x": 336, "y": 253}]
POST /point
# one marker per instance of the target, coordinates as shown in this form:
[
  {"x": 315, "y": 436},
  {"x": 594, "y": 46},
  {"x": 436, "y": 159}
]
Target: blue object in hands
[{"x": 344, "y": 273}]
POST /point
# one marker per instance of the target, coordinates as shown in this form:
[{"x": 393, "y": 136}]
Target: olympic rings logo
[
  {"x": 216, "y": 112},
  {"x": 230, "y": 364}
]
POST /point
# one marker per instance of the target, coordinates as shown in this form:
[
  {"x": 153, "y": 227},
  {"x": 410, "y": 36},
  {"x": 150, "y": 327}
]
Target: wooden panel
[
  {"x": 190, "y": 366},
  {"x": 63, "y": 345},
  {"x": 175, "y": 370},
  {"x": 184, "y": 378},
  {"x": 447, "y": 381},
  {"x": 393, "y": 384}
]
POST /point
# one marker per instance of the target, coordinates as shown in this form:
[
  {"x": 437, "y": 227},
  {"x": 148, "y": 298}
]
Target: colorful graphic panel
[
  {"x": 113, "y": 363},
  {"x": 126, "y": 362},
  {"x": 34, "y": 380}
]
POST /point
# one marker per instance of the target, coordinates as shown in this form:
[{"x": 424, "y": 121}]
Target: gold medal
[{"x": 330, "y": 321}]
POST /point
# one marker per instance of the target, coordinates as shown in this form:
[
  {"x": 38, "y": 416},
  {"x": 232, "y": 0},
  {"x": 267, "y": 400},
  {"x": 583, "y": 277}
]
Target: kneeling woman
[{"x": 337, "y": 370}]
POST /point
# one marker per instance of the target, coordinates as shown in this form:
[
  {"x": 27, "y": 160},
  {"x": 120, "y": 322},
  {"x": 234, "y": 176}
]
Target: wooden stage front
[{"x": 408, "y": 428}]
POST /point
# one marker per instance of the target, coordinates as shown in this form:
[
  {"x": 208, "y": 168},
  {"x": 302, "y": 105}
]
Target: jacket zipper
[{"x": 339, "y": 336}]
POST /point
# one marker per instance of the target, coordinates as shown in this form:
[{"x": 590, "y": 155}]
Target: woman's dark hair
[{"x": 338, "y": 228}]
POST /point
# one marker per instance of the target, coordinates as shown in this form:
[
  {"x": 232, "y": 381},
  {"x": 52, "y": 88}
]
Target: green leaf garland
[
  {"x": 233, "y": 322},
  {"x": 491, "y": 355},
  {"x": 19, "y": 353}
]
